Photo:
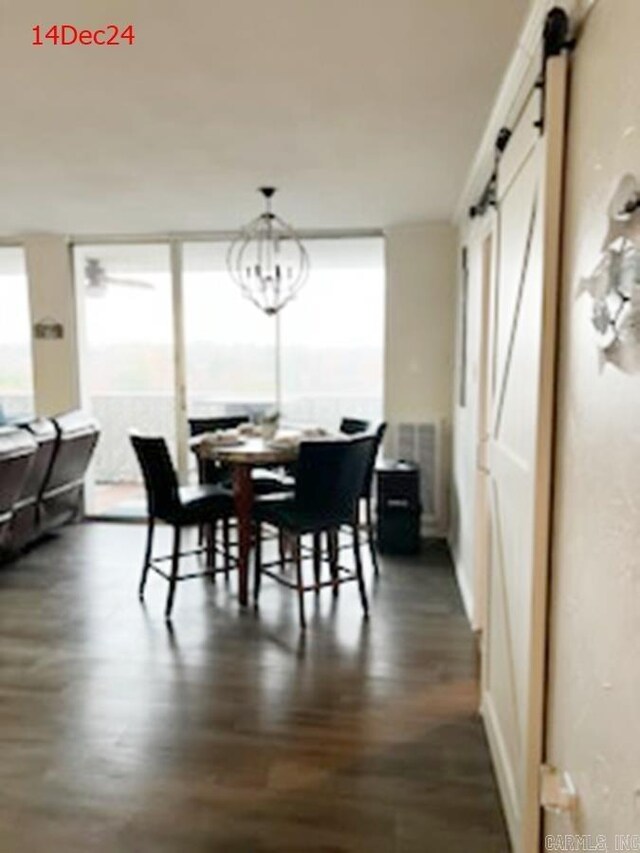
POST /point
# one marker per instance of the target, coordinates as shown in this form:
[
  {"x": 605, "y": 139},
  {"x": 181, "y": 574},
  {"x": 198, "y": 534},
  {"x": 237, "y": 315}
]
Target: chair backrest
[
  {"x": 160, "y": 480},
  {"x": 331, "y": 475},
  {"x": 368, "y": 481},
  {"x": 210, "y": 471},
  {"x": 199, "y": 425},
  {"x": 353, "y": 426}
]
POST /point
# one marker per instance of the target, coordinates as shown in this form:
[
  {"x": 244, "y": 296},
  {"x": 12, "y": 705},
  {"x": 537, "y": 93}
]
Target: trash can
[{"x": 398, "y": 507}]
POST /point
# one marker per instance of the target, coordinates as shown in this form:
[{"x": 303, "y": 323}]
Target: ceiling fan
[{"x": 97, "y": 280}]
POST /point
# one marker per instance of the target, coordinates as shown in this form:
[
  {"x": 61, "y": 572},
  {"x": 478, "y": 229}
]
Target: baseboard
[{"x": 465, "y": 591}]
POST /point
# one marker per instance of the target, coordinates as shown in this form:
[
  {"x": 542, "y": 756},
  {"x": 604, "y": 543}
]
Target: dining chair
[
  {"x": 366, "y": 500},
  {"x": 210, "y": 472},
  {"x": 353, "y": 426},
  {"x": 366, "y": 497},
  {"x": 330, "y": 479},
  {"x": 180, "y": 507}
]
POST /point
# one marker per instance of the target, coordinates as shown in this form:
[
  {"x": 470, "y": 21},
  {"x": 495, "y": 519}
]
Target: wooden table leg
[{"x": 243, "y": 495}]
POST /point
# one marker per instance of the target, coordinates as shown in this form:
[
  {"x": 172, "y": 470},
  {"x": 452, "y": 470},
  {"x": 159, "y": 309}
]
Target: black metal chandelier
[{"x": 267, "y": 260}]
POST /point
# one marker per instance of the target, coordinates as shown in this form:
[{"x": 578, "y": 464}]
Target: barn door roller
[{"x": 556, "y": 40}]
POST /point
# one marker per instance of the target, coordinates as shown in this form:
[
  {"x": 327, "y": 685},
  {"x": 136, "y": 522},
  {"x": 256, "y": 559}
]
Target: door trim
[
  {"x": 555, "y": 139},
  {"x": 481, "y": 501}
]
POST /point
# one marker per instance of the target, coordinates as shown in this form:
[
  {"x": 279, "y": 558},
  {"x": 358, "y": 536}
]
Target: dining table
[{"x": 242, "y": 458}]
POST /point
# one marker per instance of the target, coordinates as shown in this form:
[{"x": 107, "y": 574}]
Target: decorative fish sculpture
[{"x": 614, "y": 285}]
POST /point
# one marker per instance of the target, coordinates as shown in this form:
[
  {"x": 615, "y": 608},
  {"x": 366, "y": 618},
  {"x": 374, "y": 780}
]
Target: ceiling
[{"x": 366, "y": 114}]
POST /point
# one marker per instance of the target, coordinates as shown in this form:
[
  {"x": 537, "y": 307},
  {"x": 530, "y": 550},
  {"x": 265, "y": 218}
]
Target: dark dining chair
[
  {"x": 366, "y": 497},
  {"x": 210, "y": 472},
  {"x": 330, "y": 479},
  {"x": 180, "y": 507},
  {"x": 354, "y": 426}
]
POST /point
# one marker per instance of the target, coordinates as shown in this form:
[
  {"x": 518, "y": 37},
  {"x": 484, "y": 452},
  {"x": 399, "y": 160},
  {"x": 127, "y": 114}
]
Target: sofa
[
  {"x": 17, "y": 449},
  {"x": 43, "y": 463}
]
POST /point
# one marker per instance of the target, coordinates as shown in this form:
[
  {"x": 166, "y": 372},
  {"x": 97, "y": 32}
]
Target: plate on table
[
  {"x": 285, "y": 442},
  {"x": 223, "y": 439}
]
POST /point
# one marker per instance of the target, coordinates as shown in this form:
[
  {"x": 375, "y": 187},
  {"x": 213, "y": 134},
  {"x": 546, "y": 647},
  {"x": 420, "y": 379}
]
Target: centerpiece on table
[{"x": 269, "y": 423}]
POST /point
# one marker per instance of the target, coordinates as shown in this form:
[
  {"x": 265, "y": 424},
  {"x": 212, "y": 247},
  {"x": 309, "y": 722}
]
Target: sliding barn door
[{"x": 519, "y": 452}]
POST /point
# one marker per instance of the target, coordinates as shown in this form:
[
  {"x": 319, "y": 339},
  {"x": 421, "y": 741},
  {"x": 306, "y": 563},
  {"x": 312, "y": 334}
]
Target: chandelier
[{"x": 267, "y": 260}]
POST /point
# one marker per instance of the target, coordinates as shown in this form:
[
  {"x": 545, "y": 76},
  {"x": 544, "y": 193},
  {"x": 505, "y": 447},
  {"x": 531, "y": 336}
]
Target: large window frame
[{"x": 176, "y": 244}]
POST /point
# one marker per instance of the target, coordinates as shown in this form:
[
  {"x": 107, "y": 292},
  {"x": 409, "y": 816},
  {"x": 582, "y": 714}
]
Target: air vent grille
[{"x": 423, "y": 443}]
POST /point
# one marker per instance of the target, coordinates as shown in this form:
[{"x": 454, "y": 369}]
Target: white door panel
[
  {"x": 524, "y": 138},
  {"x": 519, "y": 453}
]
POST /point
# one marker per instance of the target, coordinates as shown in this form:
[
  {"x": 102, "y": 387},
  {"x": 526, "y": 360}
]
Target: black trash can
[{"x": 398, "y": 507}]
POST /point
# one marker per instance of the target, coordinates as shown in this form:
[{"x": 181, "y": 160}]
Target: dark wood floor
[{"x": 232, "y": 733}]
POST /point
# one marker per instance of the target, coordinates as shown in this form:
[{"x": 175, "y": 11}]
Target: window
[
  {"x": 332, "y": 336},
  {"x": 320, "y": 360},
  {"x": 128, "y": 362},
  {"x": 230, "y": 344},
  {"x": 16, "y": 367}
]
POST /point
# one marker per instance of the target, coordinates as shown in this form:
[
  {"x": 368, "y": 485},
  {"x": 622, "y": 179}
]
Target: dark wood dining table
[{"x": 242, "y": 458}]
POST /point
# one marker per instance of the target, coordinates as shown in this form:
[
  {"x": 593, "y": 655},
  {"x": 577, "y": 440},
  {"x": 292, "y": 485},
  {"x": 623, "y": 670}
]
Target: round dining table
[{"x": 242, "y": 458}]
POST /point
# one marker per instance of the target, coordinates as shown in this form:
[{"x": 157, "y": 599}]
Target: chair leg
[
  {"x": 332, "y": 548},
  {"x": 371, "y": 537},
  {"x": 282, "y": 553},
  {"x": 257, "y": 564},
  {"x": 175, "y": 563},
  {"x": 227, "y": 546},
  {"x": 358, "y": 560},
  {"x": 211, "y": 533},
  {"x": 317, "y": 559},
  {"x": 299, "y": 582},
  {"x": 147, "y": 558}
]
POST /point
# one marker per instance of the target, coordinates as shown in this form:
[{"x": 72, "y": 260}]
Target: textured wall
[
  {"x": 595, "y": 628},
  {"x": 419, "y": 335}
]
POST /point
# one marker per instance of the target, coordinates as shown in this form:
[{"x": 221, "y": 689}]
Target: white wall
[
  {"x": 595, "y": 596},
  {"x": 419, "y": 333},
  {"x": 51, "y": 293},
  {"x": 420, "y": 266}
]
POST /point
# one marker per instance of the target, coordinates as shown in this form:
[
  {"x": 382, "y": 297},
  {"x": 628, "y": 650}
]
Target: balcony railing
[{"x": 117, "y": 414}]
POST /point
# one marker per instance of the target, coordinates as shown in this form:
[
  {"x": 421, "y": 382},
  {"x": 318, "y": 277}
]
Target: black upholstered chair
[
  {"x": 330, "y": 479},
  {"x": 354, "y": 426},
  {"x": 366, "y": 497},
  {"x": 178, "y": 506},
  {"x": 210, "y": 472},
  {"x": 199, "y": 425}
]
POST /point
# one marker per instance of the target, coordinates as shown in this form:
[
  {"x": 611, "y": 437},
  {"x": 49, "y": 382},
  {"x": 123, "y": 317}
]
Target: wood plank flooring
[{"x": 232, "y": 732}]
